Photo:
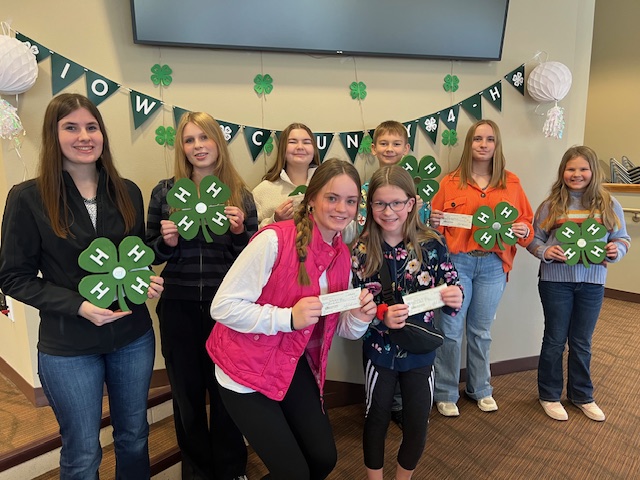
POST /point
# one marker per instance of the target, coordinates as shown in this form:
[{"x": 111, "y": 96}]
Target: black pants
[
  {"x": 211, "y": 449},
  {"x": 417, "y": 398},
  {"x": 292, "y": 437}
]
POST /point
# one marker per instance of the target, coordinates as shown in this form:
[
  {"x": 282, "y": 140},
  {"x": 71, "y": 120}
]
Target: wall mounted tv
[{"x": 451, "y": 29}]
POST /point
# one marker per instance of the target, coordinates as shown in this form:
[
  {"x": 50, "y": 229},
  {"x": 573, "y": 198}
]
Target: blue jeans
[
  {"x": 483, "y": 281},
  {"x": 74, "y": 388},
  {"x": 571, "y": 311}
]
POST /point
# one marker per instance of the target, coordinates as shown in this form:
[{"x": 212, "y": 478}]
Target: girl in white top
[{"x": 297, "y": 159}]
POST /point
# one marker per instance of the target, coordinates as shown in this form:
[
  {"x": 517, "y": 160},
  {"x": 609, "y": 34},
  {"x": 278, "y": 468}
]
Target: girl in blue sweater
[
  {"x": 572, "y": 295},
  {"x": 417, "y": 259}
]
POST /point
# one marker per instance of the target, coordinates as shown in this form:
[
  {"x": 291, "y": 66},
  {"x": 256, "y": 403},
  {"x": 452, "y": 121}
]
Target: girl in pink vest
[{"x": 271, "y": 342}]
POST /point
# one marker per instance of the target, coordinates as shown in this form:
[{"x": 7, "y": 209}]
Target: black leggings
[
  {"x": 417, "y": 397},
  {"x": 292, "y": 437}
]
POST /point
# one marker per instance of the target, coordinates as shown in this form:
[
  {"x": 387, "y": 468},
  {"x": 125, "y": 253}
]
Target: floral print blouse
[{"x": 410, "y": 276}]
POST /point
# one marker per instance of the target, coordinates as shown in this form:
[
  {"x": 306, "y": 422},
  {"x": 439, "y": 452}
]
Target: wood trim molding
[
  {"x": 621, "y": 295},
  {"x": 622, "y": 187}
]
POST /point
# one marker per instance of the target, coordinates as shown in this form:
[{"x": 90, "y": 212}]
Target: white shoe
[
  {"x": 487, "y": 404},
  {"x": 592, "y": 411},
  {"x": 555, "y": 410},
  {"x": 448, "y": 409}
]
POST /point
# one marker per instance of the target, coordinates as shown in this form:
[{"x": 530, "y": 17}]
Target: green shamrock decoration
[
  {"x": 423, "y": 174},
  {"x": 118, "y": 273},
  {"x": 268, "y": 146},
  {"x": 495, "y": 225},
  {"x": 263, "y": 84},
  {"x": 365, "y": 144},
  {"x": 301, "y": 190},
  {"x": 583, "y": 242},
  {"x": 358, "y": 90},
  {"x": 199, "y": 212},
  {"x": 449, "y": 137},
  {"x": 451, "y": 83},
  {"x": 165, "y": 135},
  {"x": 161, "y": 74}
]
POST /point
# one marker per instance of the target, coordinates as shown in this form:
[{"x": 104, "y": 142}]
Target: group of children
[{"x": 240, "y": 317}]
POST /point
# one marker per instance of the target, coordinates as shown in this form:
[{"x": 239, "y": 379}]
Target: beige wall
[
  {"x": 612, "y": 112},
  {"x": 97, "y": 34}
]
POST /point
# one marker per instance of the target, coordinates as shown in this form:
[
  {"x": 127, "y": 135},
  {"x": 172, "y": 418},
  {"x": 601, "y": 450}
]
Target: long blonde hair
[
  {"x": 498, "y": 170},
  {"x": 49, "y": 180},
  {"x": 413, "y": 231},
  {"x": 222, "y": 168},
  {"x": 304, "y": 226},
  {"x": 595, "y": 198},
  {"x": 281, "y": 162}
]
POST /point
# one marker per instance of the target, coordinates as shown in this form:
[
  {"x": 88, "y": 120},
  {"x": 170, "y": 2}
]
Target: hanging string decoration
[
  {"x": 10, "y": 124},
  {"x": 550, "y": 82},
  {"x": 18, "y": 66}
]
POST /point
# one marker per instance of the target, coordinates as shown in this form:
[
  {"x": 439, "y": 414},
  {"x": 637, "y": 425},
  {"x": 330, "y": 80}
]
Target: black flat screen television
[{"x": 441, "y": 29}]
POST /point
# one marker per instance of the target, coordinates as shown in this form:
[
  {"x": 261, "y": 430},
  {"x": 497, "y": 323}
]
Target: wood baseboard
[{"x": 620, "y": 295}]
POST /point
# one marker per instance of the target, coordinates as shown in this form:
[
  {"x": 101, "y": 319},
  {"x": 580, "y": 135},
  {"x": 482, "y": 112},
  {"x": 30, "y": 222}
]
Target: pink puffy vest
[{"x": 267, "y": 363}]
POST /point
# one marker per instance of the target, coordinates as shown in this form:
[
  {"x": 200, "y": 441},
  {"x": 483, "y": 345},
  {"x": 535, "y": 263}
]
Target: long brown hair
[
  {"x": 50, "y": 181},
  {"x": 595, "y": 198},
  {"x": 414, "y": 232},
  {"x": 222, "y": 168},
  {"x": 304, "y": 226},
  {"x": 498, "y": 170},
  {"x": 281, "y": 162}
]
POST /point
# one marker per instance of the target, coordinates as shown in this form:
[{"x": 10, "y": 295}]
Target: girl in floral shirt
[{"x": 390, "y": 232}]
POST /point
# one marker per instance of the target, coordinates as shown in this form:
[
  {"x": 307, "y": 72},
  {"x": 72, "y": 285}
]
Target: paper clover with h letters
[
  {"x": 423, "y": 174},
  {"x": 117, "y": 273},
  {"x": 582, "y": 242},
  {"x": 204, "y": 212},
  {"x": 495, "y": 226}
]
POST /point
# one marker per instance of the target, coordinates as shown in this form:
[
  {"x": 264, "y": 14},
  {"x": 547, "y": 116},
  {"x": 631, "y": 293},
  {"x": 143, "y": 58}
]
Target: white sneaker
[
  {"x": 448, "y": 409},
  {"x": 592, "y": 411},
  {"x": 555, "y": 410},
  {"x": 487, "y": 404}
]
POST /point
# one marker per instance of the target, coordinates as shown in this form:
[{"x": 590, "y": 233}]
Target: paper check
[
  {"x": 456, "y": 220},
  {"x": 424, "y": 300},
  {"x": 340, "y": 301}
]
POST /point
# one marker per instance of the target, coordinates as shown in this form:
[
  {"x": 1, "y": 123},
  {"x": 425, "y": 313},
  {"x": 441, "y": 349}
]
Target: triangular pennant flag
[
  {"x": 473, "y": 106},
  {"x": 323, "y": 140},
  {"x": 99, "y": 88},
  {"x": 142, "y": 107},
  {"x": 63, "y": 72},
  {"x": 40, "y": 51},
  {"x": 351, "y": 142},
  {"x": 494, "y": 94},
  {"x": 177, "y": 115},
  {"x": 516, "y": 78},
  {"x": 256, "y": 139},
  {"x": 411, "y": 132},
  {"x": 449, "y": 117},
  {"x": 429, "y": 125},
  {"x": 229, "y": 130},
  {"x": 277, "y": 134}
]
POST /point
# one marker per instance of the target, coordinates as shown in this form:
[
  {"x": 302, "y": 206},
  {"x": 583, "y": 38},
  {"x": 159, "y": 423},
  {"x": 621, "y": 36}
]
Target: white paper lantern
[
  {"x": 549, "y": 82},
  {"x": 18, "y": 66}
]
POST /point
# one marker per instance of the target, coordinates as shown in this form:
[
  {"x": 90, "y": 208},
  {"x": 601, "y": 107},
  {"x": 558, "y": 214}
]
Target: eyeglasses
[{"x": 396, "y": 205}]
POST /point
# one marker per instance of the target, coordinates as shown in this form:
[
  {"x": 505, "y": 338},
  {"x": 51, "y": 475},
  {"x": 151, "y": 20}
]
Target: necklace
[{"x": 481, "y": 174}]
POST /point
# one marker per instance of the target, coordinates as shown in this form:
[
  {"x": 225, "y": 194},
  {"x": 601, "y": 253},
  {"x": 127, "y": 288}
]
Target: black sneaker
[{"x": 396, "y": 416}]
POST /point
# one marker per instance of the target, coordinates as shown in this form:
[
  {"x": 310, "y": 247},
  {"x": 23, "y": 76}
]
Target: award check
[
  {"x": 424, "y": 300},
  {"x": 340, "y": 301},
  {"x": 456, "y": 220}
]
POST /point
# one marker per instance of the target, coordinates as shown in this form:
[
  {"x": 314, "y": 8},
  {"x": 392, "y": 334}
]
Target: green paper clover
[
  {"x": 495, "y": 226},
  {"x": 449, "y": 137},
  {"x": 451, "y": 83},
  {"x": 161, "y": 74},
  {"x": 263, "y": 84},
  {"x": 358, "y": 90},
  {"x": 165, "y": 135},
  {"x": 122, "y": 273},
  {"x": 268, "y": 146},
  {"x": 301, "y": 190},
  {"x": 423, "y": 174},
  {"x": 199, "y": 212},
  {"x": 365, "y": 144},
  {"x": 583, "y": 242}
]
